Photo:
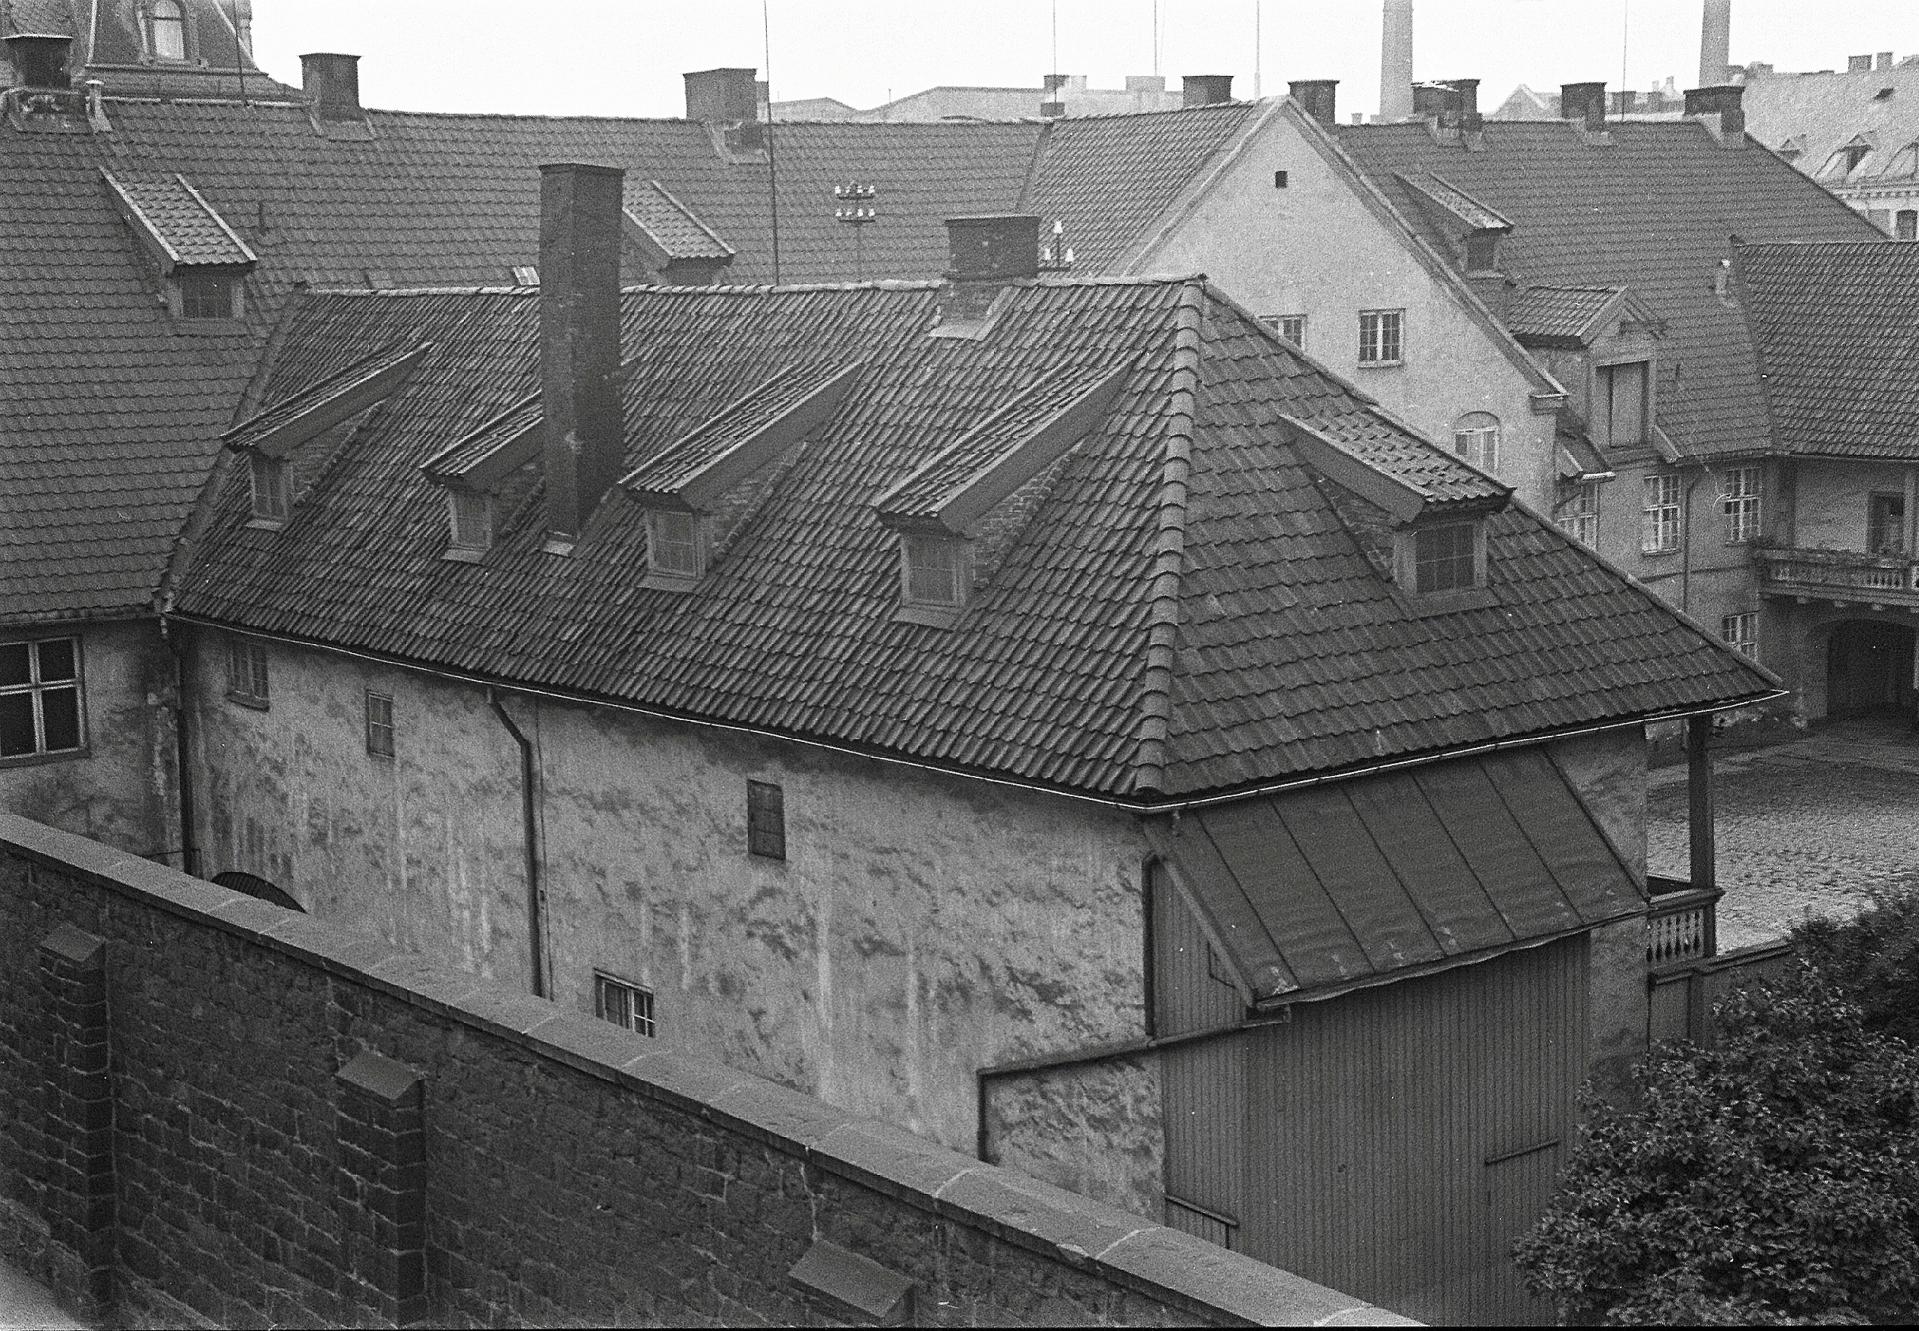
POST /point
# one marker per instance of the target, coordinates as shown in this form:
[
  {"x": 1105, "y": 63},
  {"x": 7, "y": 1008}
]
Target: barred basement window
[
  {"x": 272, "y": 488},
  {"x": 1659, "y": 516},
  {"x": 765, "y": 820},
  {"x": 40, "y": 698},
  {"x": 1579, "y": 516},
  {"x": 1739, "y": 497},
  {"x": 247, "y": 672},
  {"x": 1741, "y": 633},
  {"x": 379, "y": 724},
  {"x": 1381, "y": 337},
  {"x": 1476, "y": 438},
  {"x": 623, "y": 1004}
]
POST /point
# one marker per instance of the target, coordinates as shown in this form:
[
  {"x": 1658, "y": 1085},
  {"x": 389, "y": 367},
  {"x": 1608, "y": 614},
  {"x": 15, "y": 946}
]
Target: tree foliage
[{"x": 1771, "y": 1179}]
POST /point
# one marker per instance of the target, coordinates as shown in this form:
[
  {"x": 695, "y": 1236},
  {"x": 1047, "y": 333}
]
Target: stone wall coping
[{"x": 1151, "y": 1258}]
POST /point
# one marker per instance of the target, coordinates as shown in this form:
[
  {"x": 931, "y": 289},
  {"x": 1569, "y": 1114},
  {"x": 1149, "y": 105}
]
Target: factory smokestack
[
  {"x": 1396, "y": 61},
  {"x": 1715, "y": 43}
]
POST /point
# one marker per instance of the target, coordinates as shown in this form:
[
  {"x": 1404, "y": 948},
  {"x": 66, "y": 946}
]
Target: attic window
[
  {"x": 208, "y": 295},
  {"x": 167, "y": 30},
  {"x": 1845, "y": 161},
  {"x": 1441, "y": 557},
  {"x": 471, "y": 512},
  {"x": 272, "y": 489},
  {"x": 675, "y": 547},
  {"x": 932, "y": 572},
  {"x": 1482, "y": 252},
  {"x": 1884, "y": 94}
]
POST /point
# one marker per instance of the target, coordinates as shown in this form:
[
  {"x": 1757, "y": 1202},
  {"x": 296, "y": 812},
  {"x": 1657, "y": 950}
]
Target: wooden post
[{"x": 1699, "y": 800}]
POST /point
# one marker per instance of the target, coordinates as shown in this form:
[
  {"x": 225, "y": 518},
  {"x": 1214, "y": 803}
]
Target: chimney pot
[
  {"x": 1727, "y": 101},
  {"x": 1318, "y": 98},
  {"x": 1206, "y": 89},
  {"x": 1882, "y": 61},
  {"x": 1145, "y": 83},
  {"x": 986, "y": 253},
  {"x": 723, "y": 96},
  {"x": 1585, "y": 103},
  {"x": 1856, "y": 64},
  {"x": 332, "y": 81},
  {"x": 581, "y": 230}
]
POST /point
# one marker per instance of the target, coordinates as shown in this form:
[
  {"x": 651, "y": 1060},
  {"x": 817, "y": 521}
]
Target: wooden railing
[
  {"x": 1855, "y": 575},
  {"x": 1684, "y": 922}
]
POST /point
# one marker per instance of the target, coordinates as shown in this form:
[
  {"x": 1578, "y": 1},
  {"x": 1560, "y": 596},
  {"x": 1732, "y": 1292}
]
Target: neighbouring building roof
[
  {"x": 670, "y": 227},
  {"x": 1573, "y": 316},
  {"x": 1178, "y": 604},
  {"x": 973, "y": 103},
  {"x": 178, "y": 223},
  {"x": 109, "y": 411},
  {"x": 110, "y": 44},
  {"x": 1654, "y": 210},
  {"x": 1820, "y": 113},
  {"x": 1838, "y": 333}
]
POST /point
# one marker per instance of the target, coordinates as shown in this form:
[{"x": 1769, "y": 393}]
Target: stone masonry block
[{"x": 854, "y": 1287}]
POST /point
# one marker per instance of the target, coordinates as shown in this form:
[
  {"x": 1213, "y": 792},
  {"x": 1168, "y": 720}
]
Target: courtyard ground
[
  {"x": 27, "y": 1305},
  {"x": 1805, "y": 828}
]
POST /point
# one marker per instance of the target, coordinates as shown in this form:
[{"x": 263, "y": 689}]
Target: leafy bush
[
  {"x": 1771, "y": 1179},
  {"x": 1873, "y": 959}
]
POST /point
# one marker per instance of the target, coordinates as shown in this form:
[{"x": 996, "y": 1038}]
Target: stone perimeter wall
[{"x": 213, "y": 1109}]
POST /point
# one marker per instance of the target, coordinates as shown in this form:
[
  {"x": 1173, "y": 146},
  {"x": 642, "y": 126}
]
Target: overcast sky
[{"x": 625, "y": 57}]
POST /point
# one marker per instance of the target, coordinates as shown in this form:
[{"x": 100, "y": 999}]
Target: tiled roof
[
  {"x": 36, "y": 18},
  {"x": 1454, "y": 200},
  {"x": 1824, "y": 111},
  {"x": 1558, "y": 315},
  {"x": 181, "y": 223},
  {"x": 1654, "y": 211},
  {"x": 671, "y": 225},
  {"x": 1838, "y": 334},
  {"x": 1176, "y": 607},
  {"x": 110, "y": 415},
  {"x": 1107, "y": 178}
]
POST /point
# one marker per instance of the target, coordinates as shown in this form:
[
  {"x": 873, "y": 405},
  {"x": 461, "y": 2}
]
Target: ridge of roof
[{"x": 1169, "y": 546}]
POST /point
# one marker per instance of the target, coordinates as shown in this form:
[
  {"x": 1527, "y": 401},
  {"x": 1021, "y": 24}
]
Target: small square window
[
  {"x": 40, "y": 711},
  {"x": 1292, "y": 327},
  {"x": 675, "y": 545},
  {"x": 765, "y": 820},
  {"x": 623, "y": 1004},
  {"x": 247, "y": 672},
  {"x": 1382, "y": 337},
  {"x": 206, "y": 296},
  {"x": 379, "y": 724},
  {"x": 1741, "y": 633},
  {"x": 933, "y": 571},
  {"x": 272, "y": 498},
  {"x": 1476, "y": 438},
  {"x": 1445, "y": 558}
]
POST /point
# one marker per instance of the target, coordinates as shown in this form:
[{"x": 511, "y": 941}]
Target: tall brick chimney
[
  {"x": 1396, "y": 61},
  {"x": 1715, "y": 43},
  {"x": 333, "y": 82},
  {"x": 1205, "y": 89},
  {"x": 1318, "y": 98},
  {"x": 580, "y": 234},
  {"x": 1583, "y": 104},
  {"x": 985, "y": 254}
]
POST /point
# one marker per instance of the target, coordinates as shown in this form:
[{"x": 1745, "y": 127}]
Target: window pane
[
  {"x": 14, "y": 663},
  {"x": 56, "y": 661},
  {"x": 61, "y": 711},
  {"x": 16, "y": 725}
]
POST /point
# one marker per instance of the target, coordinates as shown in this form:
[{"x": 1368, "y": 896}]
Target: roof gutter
[{"x": 1141, "y": 807}]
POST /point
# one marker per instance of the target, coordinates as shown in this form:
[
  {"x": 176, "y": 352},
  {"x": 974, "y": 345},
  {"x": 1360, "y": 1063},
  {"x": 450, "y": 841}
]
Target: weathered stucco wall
[
  {"x": 920, "y": 927},
  {"x": 1831, "y": 501},
  {"x": 1314, "y": 248},
  {"x": 124, "y": 789}
]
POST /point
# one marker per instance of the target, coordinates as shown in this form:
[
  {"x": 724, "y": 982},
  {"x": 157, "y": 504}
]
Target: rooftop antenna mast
[
  {"x": 1258, "y": 54},
  {"x": 1155, "y": 38},
  {"x": 772, "y": 167},
  {"x": 1056, "y": 49},
  {"x": 1625, "y": 45}
]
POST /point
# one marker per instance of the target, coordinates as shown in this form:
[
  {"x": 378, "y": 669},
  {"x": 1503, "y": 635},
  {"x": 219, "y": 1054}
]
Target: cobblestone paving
[{"x": 1805, "y": 828}]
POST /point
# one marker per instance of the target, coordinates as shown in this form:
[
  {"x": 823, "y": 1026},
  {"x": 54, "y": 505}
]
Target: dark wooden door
[{"x": 1869, "y": 669}]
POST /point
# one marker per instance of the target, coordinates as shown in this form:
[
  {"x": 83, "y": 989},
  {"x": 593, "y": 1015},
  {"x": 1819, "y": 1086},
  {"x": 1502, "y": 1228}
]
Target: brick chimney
[
  {"x": 723, "y": 96},
  {"x": 40, "y": 60},
  {"x": 1715, "y": 43},
  {"x": 1584, "y": 104},
  {"x": 1436, "y": 101},
  {"x": 985, "y": 254},
  {"x": 1722, "y": 110},
  {"x": 1396, "y": 61},
  {"x": 1206, "y": 89},
  {"x": 580, "y": 234},
  {"x": 1318, "y": 98},
  {"x": 333, "y": 83},
  {"x": 1053, "y": 101}
]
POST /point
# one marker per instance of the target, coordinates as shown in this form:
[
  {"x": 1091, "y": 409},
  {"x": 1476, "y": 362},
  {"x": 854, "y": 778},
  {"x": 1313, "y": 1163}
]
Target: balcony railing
[
  {"x": 1684, "y": 920},
  {"x": 1847, "y": 575}
]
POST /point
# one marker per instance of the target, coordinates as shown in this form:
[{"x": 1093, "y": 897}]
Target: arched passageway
[{"x": 1869, "y": 669}]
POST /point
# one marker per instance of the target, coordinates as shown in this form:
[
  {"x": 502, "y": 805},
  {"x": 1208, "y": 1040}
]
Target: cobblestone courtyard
[{"x": 1804, "y": 828}]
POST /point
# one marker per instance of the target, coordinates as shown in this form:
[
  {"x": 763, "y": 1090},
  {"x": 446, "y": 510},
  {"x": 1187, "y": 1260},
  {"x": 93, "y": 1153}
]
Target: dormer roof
[
  {"x": 492, "y": 452},
  {"x": 667, "y": 231},
  {"x": 176, "y": 223},
  {"x": 1574, "y": 317},
  {"x": 1436, "y": 192},
  {"x": 36, "y": 18},
  {"x": 339, "y": 397}
]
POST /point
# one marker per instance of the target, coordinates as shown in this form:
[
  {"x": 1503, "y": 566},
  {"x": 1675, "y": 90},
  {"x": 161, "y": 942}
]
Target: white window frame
[
  {"x": 380, "y": 730},
  {"x": 1741, "y": 633},
  {"x": 248, "y": 680},
  {"x": 1662, "y": 518},
  {"x": 625, "y": 1004},
  {"x": 1476, "y": 438},
  {"x": 1741, "y": 496},
  {"x": 1578, "y": 517},
  {"x": 177, "y": 22},
  {"x": 928, "y": 561},
  {"x": 36, "y": 688},
  {"x": 1382, "y": 332},
  {"x": 1292, "y": 327}
]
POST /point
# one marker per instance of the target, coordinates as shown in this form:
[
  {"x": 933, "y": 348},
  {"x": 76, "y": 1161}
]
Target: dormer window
[
  {"x": 272, "y": 489},
  {"x": 1846, "y": 160},
  {"x": 1441, "y": 557},
  {"x": 933, "y": 572},
  {"x": 167, "y": 30},
  {"x": 1482, "y": 252},
  {"x": 208, "y": 295},
  {"x": 471, "y": 512},
  {"x": 200, "y": 261},
  {"x": 1622, "y": 407},
  {"x": 675, "y": 547}
]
